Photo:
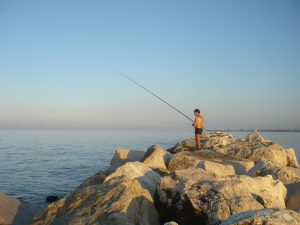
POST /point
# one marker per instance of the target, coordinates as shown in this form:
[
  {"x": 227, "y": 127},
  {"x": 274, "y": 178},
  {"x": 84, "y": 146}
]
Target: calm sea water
[{"x": 35, "y": 164}]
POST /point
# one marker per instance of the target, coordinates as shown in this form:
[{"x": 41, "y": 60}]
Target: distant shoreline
[{"x": 249, "y": 130}]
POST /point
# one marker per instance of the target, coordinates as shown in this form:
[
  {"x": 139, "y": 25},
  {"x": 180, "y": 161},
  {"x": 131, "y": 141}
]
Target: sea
[{"x": 37, "y": 163}]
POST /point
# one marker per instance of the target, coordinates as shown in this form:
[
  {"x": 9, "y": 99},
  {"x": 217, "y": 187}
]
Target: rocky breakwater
[{"x": 251, "y": 181}]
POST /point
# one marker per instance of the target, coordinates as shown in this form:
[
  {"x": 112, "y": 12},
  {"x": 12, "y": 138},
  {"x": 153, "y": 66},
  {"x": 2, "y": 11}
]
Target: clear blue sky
[{"x": 238, "y": 61}]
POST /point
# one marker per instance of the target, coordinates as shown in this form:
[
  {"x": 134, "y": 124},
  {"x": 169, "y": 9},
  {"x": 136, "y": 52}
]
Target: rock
[
  {"x": 217, "y": 168},
  {"x": 241, "y": 166},
  {"x": 185, "y": 145},
  {"x": 124, "y": 197},
  {"x": 157, "y": 157},
  {"x": 256, "y": 152},
  {"x": 137, "y": 170},
  {"x": 293, "y": 196},
  {"x": 52, "y": 198},
  {"x": 120, "y": 200},
  {"x": 291, "y": 158},
  {"x": 254, "y": 137},
  {"x": 171, "y": 223},
  {"x": 216, "y": 140},
  {"x": 268, "y": 167},
  {"x": 264, "y": 216},
  {"x": 123, "y": 156},
  {"x": 211, "y": 201},
  {"x": 184, "y": 160},
  {"x": 97, "y": 178},
  {"x": 15, "y": 211}
]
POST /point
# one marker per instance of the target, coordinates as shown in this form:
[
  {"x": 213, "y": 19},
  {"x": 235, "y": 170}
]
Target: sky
[{"x": 237, "y": 61}]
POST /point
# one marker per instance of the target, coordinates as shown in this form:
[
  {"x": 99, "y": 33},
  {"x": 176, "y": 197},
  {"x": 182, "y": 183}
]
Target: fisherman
[{"x": 198, "y": 124}]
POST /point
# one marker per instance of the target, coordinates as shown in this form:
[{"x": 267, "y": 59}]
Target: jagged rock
[
  {"x": 210, "y": 201},
  {"x": 216, "y": 140},
  {"x": 208, "y": 140},
  {"x": 256, "y": 152},
  {"x": 268, "y": 167},
  {"x": 185, "y": 145},
  {"x": 123, "y": 156},
  {"x": 254, "y": 137},
  {"x": 265, "y": 217},
  {"x": 184, "y": 160},
  {"x": 157, "y": 157},
  {"x": 291, "y": 158},
  {"x": 15, "y": 211},
  {"x": 217, "y": 168},
  {"x": 125, "y": 197},
  {"x": 137, "y": 170}
]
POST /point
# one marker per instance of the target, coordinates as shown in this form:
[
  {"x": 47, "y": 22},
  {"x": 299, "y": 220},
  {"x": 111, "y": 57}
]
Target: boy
[{"x": 198, "y": 124}]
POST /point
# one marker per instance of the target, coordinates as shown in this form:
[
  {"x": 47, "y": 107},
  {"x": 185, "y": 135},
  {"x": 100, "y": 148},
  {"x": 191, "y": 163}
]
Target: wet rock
[{"x": 264, "y": 216}]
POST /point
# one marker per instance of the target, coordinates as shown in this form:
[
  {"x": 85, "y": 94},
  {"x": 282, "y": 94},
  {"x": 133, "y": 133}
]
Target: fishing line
[{"x": 146, "y": 89}]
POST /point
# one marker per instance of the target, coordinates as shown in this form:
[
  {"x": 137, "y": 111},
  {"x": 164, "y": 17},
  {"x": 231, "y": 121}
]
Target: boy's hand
[{"x": 193, "y": 124}]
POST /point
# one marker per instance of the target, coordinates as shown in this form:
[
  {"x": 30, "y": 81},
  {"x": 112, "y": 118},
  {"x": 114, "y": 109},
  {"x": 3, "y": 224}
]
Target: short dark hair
[{"x": 197, "y": 110}]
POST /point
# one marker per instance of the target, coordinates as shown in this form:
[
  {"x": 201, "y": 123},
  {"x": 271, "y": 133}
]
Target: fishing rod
[{"x": 155, "y": 95}]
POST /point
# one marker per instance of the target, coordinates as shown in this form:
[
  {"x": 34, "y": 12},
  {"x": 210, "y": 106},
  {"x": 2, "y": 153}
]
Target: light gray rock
[
  {"x": 267, "y": 167},
  {"x": 137, "y": 170},
  {"x": 217, "y": 169},
  {"x": 211, "y": 201},
  {"x": 15, "y": 211},
  {"x": 265, "y": 217},
  {"x": 184, "y": 160},
  {"x": 123, "y": 156},
  {"x": 125, "y": 197},
  {"x": 157, "y": 157}
]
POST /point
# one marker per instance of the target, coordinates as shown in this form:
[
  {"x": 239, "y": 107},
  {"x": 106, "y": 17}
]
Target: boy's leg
[{"x": 197, "y": 137}]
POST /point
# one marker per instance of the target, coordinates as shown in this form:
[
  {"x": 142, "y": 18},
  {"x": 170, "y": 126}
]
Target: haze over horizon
[{"x": 237, "y": 61}]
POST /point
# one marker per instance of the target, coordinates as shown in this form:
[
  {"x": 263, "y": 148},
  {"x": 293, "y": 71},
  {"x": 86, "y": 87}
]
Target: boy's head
[{"x": 197, "y": 112}]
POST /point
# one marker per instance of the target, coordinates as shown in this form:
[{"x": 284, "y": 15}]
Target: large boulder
[
  {"x": 123, "y": 156},
  {"x": 211, "y": 201},
  {"x": 264, "y": 216},
  {"x": 137, "y": 170},
  {"x": 217, "y": 169},
  {"x": 95, "y": 179},
  {"x": 15, "y": 211},
  {"x": 124, "y": 197},
  {"x": 256, "y": 152},
  {"x": 157, "y": 157},
  {"x": 268, "y": 167}
]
